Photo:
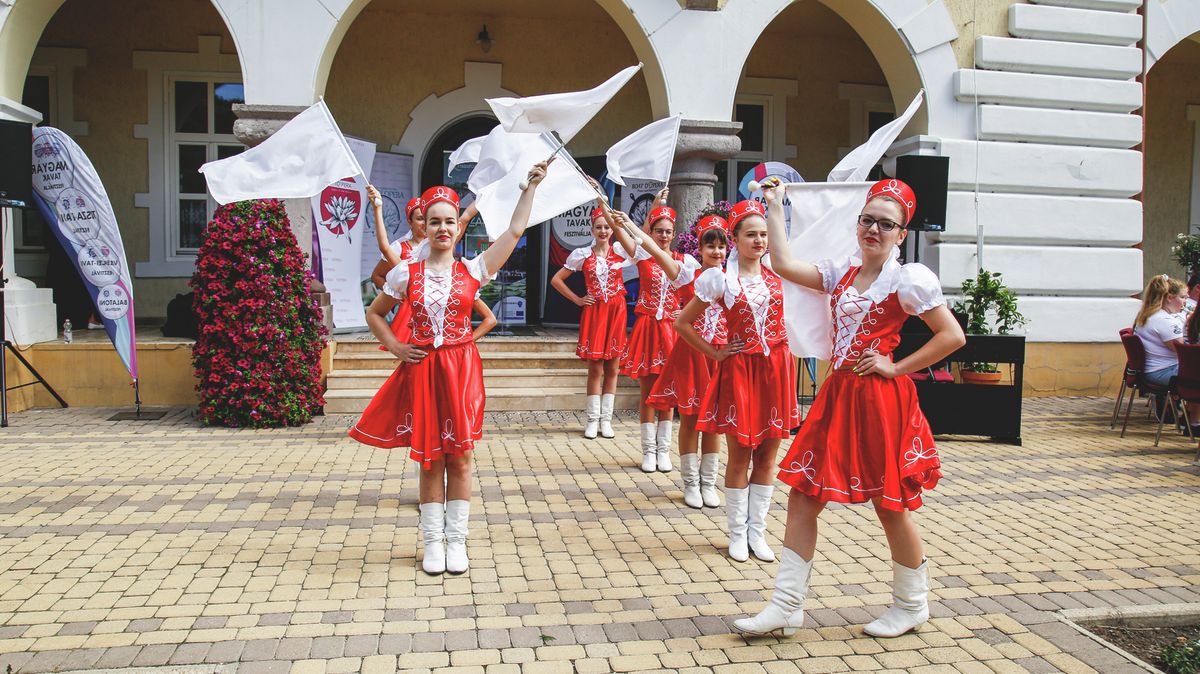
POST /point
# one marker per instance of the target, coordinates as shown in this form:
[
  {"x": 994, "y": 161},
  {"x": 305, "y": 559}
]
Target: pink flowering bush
[
  {"x": 687, "y": 242},
  {"x": 258, "y": 353}
]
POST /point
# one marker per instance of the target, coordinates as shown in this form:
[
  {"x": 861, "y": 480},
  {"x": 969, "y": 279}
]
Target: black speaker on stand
[{"x": 928, "y": 177}]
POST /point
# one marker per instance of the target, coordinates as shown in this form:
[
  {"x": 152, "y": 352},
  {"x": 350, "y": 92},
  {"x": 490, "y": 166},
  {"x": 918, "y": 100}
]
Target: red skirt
[
  {"x": 602, "y": 330},
  {"x": 649, "y": 344},
  {"x": 752, "y": 396},
  {"x": 864, "y": 438},
  {"x": 401, "y": 323},
  {"x": 683, "y": 381},
  {"x": 434, "y": 407}
]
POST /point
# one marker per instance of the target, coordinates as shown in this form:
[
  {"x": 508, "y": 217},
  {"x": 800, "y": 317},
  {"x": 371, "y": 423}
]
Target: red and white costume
[
  {"x": 602, "y": 324},
  {"x": 753, "y": 392},
  {"x": 866, "y": 437},
  {"x": 686, "y": 376},
  {"x": 435, "y": 406},
  {"x": 657, "y": 307}
]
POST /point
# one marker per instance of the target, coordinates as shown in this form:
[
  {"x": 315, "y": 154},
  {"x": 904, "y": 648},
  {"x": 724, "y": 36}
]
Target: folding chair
[
  {"x": 1186, "y": 385},
  {"x": 1135, "y": 354},
  {"x": 1128, "y": 377}
]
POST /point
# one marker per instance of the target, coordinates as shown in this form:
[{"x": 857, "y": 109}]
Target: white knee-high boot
[
  {"x": 649, "y": 448},
  {"x": 607, "y": 402},
  {"x": 785, "y": 611},
  {"x": 710, "y": 465},
  {"x": 910, "y": 607},
  {"x": 433, "y": 533},
  {"x": 457, "y": 514},
  {"x": 689, "y": 474},
  {"x": 663, "y": 447},
  {"x": 756, "y": 521},
  {"x": 593, "y": 417},
  {"x": 735, "y": 512}
]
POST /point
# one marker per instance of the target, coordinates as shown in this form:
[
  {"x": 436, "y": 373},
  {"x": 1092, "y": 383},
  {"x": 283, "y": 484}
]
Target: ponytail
[{"x": 1157, "y": 290}]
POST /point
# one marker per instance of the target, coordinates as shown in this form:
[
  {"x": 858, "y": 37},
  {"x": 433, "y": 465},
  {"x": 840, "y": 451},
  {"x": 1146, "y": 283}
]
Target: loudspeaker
[
  {"x": 16, "y": 155},
  {"x": 928, "y": 177}
]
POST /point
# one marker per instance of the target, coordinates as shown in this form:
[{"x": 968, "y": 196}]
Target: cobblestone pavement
[{"x": 152, "y": 543}]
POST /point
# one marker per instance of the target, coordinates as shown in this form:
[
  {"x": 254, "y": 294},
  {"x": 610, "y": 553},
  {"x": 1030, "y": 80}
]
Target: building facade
[{"x": 1042, "y": 109}]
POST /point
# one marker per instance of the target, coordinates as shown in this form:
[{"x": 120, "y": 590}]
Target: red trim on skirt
[
  {"x": 435, "y": 407},
  {"x": 649, "y": 345},
  {"x": 752, "y": 396},
  {"x": 864, "y": 438},
  {"x": 602, "y": 330},
  {"x": 683, "y": 381}
]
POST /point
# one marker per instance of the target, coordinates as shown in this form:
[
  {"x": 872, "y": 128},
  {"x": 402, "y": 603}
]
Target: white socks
[
  {"x": 663, "y": 447},
  {"x": 607, "y": 401},
  {"x": 649, "y": 448}
]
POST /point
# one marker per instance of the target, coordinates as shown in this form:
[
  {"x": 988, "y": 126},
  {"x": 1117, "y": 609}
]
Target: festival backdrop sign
[
  {"x": 391, "y": 174},
  {"x": 73, "y": 202},
  {"x": 339, "y": 214},
  {"x": 770, "y": 169}
]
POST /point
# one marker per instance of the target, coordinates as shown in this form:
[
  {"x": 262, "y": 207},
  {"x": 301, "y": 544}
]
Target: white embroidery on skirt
[{"x": 919, "y": 453}]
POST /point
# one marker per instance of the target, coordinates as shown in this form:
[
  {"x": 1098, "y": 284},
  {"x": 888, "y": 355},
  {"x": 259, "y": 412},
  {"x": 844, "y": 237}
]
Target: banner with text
[
  {"x": 339, "y": 214},
  {"x": 392, "y": 176},
  {"x": 74, "y": 204}
]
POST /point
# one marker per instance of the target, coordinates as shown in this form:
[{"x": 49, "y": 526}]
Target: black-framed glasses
[{"x": 866, "y": 222}]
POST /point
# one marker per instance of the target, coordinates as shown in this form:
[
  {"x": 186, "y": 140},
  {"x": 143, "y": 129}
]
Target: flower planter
[{"x": 969, "y": 377}]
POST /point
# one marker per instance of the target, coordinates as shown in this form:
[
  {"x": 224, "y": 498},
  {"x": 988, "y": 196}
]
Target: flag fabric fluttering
[
  {"x": 305, "y": 156},
  {"x": 564, "y": 113},
  {"x": 504, "y": 163},
  {"x": 645, "y": 154},
  {"x": 823, "y": 216},
  {"x": 466, "y": 153}
]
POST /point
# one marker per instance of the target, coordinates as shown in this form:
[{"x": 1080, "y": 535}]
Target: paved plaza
[{"x": 153, "y": 543}]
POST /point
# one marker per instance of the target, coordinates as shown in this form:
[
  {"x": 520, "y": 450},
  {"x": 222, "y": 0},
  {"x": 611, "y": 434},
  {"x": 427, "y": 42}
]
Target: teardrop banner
[{"x": 68, "y": 192}]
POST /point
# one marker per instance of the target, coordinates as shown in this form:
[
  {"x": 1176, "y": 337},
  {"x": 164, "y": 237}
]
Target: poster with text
[{"x": 391, "y": 174}]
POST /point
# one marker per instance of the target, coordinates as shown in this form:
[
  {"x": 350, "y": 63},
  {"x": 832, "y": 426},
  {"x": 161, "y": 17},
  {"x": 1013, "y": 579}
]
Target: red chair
[
  {"x": 1127, "y": 380},
  {"x": 1135, "y": 355},
  {"x": 1186, "y": 385}
]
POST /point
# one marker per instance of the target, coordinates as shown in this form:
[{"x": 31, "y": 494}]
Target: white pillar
[{"x": 29, "y": 312}]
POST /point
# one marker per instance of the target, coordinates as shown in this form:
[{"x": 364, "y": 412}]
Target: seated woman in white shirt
[{"x": 1160, "y": 325}]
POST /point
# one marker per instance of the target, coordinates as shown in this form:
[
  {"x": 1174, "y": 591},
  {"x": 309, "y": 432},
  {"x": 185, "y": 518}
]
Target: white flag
[
  {"x": 498, "y": 153},
  {"x": 466, "y": 153},
  {"x": 856, "y": 165},
  {"x": 299, "y": 160},
  {"x": 565, "y": 113},
  {"x": 562, "y": 189},
  {"x": 823, "y": 217},
  {"x": 647, "y": 153}
]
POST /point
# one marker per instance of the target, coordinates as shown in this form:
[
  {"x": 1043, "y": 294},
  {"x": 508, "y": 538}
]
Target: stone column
[
  {"x": 254, "y": 124},
  {"x": 702, "y": 143},
  {"x": 29, "y": 311}
]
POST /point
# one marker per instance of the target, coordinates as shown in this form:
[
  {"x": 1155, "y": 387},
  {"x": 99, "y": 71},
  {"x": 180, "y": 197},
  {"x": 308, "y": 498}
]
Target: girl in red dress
[
  {"x": 751, "y": 398},
  {"x": 602, "y": 321},
  {"x": 685, "y": 377},
  {"x": 865, "y": 438},
  {"x": 433, "y": 403},
  {"x": 653, "y": 334},
  {"x": 407, "y": 246}
]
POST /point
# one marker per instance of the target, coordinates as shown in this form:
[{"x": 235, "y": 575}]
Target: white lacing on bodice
[
  {"x": 602, "y": 270},
  {"x": 710, "y": 322},
  {"x": 437, "y": 289},
  {"x": 758, "y": 299},
  {"x": 664, "y": 288},
  {"x": 853, "y": 316}
]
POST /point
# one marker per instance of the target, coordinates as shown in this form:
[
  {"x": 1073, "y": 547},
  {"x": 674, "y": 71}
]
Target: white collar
[{"x": 885, "y": 284}]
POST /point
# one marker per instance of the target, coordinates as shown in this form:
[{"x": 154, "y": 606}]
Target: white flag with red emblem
[{"x": 299, "y": 160}]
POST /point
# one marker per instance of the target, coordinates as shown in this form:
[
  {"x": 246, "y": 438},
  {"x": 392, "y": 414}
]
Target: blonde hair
[{"x": 1157, "y": 290}]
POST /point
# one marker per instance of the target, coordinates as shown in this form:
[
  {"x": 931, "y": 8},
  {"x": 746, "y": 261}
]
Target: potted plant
[
  {"x": 1186, "y": 251},
  {"x": 983, "y": 298}
]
